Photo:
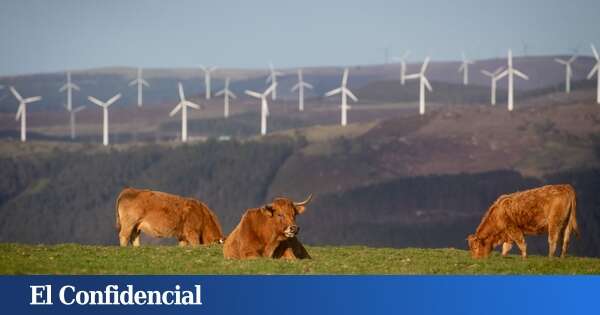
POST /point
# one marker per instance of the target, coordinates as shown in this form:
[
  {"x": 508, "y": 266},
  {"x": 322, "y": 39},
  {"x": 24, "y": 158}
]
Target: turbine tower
[
  {"x": 345, "y": 92},
  {"x": 104, "y": 106},
  {"x": 273, "y": 79},
  {"x": 596, "y": 69},
  {"x": 264, "y": 106},
  {"x": 423, "y": 83},
  {"x": 511, "y": 72},
  {"x": 69, "y": 87},
  {"x": 139, "y": 81},
  {"x": 300, "y": 87},
  {"x": 22, "y": 111},
  {"x": 72, "y": 113},
  {"x": 207, "y": 72},
  {"x": 226, "y": 95},
  {"x": 494, "y": 77},
  {"x": 464, "y": 68},
  {"x": 183, "y": 105},
  {"x": 402, "y": 60}
]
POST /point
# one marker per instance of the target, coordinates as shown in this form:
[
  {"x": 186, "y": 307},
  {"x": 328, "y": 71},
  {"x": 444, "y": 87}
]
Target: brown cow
[
  {"x": 548, "y": 209},
  {"x": 269, "y": 231},
  {"x": 159, "y": 214}
]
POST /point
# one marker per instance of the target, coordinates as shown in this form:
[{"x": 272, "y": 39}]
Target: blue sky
[{"x": 42, "y": 36}]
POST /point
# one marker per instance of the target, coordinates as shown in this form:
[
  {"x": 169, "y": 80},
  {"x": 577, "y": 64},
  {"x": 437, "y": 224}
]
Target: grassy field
[{"x": 80, "y": 259}]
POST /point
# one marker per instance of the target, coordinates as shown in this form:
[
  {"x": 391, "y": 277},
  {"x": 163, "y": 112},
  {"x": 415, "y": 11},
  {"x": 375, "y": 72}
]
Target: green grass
[{"x": 82, "y": 259}]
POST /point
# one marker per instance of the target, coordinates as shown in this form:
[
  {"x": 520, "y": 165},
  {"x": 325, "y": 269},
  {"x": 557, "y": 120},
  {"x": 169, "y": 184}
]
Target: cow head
[
  {"x": 479, "y": 248},
  {"x": 281, "y": 214}
]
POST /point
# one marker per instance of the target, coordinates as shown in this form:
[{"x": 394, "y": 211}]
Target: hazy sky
[{"x": 54, "y": 35}]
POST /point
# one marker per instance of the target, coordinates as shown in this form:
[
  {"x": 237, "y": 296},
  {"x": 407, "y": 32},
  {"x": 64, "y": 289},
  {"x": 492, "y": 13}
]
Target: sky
[{"x": 48, "y": 36}]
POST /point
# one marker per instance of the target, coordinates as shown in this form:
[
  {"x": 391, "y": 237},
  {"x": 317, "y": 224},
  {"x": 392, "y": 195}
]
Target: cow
[
  {"x": 548, "y": 209},
  {"x": 268, "y": 231},
  {"x": 160, "y": 214}
]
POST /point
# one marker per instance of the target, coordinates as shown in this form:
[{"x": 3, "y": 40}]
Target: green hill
[{"x": 80, "y": 259}]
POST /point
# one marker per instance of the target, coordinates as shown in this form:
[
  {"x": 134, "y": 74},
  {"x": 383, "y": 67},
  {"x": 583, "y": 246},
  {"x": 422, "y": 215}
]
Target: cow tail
[
  {"x": 117, "y": 218},
  {"x": 573, "y": 216}
]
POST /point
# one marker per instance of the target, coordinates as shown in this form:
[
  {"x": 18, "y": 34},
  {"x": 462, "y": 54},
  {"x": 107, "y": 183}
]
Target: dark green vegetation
[{"x": 80, "y": 259}]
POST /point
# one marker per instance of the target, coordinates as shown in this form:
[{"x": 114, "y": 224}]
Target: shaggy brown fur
[
  {"x": 269, "y": 231},
  {"x": 159, "y": 214},
  {"x": 548, "y": 209}
]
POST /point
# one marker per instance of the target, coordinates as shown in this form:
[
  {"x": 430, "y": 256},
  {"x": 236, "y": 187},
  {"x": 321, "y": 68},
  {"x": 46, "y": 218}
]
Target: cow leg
[
  {"x": 517, "y": 236},
  {"x": 136, "y": 237},
  {"x": 125, "y": 235},
  {"x": 553, "y": 236},
  {"x": 566, "y": 238},
  {"x": 506, "y": 247},
  {"x": 192, "y": 239},
  {"x": 183, "y": 243}
]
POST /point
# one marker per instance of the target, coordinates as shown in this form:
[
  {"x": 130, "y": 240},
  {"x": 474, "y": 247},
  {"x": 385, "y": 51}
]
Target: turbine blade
[
  {"x": 253, "y": 94},
  {"x": 20, "y": 112},
  {"x": 62, "y": 88},
  {"x": 145, "y": 83},
  {"x": 425, "y": 64},
  {"x": 307, "y": 85},
  {"x": 564, "y": 62},
  {"x": 412, "y": 76},
  {"x": 231, "y": 94},
  {"x": 461, "y": 68},
  {"x": 176, "y": 109},
  {"x": 32, "y": 99},
  {"x": 95, "y": 101},
  {"x": 78, "y": 109},
  {"x": 498, "y": 70},
  {"x": 75, "y": 86},
  {"x": 270, "y": 89},
  {"x": 502, "y": 74},
  {"x": 345, "y": 77},
  {"x": 572, "y": 59},
  {"x": 594, "y": 69},
  {"x": 426, "y": 82},
  {"x": 520, "y": 74},
  {"x": 181, "y": 94},
  {"x": 349, "y": 93},
  {"x": 16, "y": 94},
  {"x": 595, "y": 52},
  {"x": 132, "y": 83},
  {"x": 489, "y": 74},
  {"x": 113, "y": 99},
  {"x": 192, "y": 105},
  {"x": 333, "y": 92},
  {"x": 221, "y": 92},
  {"x": 295, "y": 87}
]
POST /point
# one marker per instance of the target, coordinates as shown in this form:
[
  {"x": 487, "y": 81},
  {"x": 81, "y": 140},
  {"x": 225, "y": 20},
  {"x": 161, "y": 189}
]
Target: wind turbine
[
  {"x": 344, "y": 91},
  {"x": 300, "y": 87},
  {"x": 510, "y": 72},
  {"x": 140, "y": 82},
  {"x": 596, "y": 69},
  {"x": 273, "y": 79},
  {"x": 568, "y": 71},
  {"x": 104, "y": 106},
  {"x": 72, "y": 113},
  {"x": 494, "y": 77},
  {"x": 264, "y": 106},
  {"x": 226, "y": 95},
  {"x": 402, "y": 60},
  {"x": 22, "y": 111},
  {"x": 464, "y": 67},
  {"x": 207, "y": 72},
  {"x": 69, "y": 87},
  {"x": 423, "y": 83},
  {"x": 183, "y": 105}
]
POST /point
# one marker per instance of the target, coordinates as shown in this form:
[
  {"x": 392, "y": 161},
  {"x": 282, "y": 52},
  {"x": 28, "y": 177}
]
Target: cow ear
[
  {"x": 267, "y": 210},
  {"x": 300, "y": 209}
]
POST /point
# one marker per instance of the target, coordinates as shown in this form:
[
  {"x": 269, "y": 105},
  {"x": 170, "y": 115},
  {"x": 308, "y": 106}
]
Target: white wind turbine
[
  {"x": 104, "y": 106},
  {"x": 183, "y": 105},
  {"x": 72, "y": 113},
  {"x": 423, "y": 83},
  {"x": 596, "y": 69},
  {"x": 226, "y": 95},
  {"x": 207, "y": 72},
  {"x": 300, "y": 87},
  {"x": 494, "y": 77},
  {"x": 69, "y": 87},
  {"x": 273, "y": 79},
  {"x": 139, "y": 81},
  {"x": 568, "y": 71},
  {"x": 264, "y": 106},
  {"x": 402, "y": 60},
  {"x": 511, "y": 72},
  {"x": 344, "y": 91},
  {"x": 464, "y": 68},
  {"x": 22, "y": 111}
]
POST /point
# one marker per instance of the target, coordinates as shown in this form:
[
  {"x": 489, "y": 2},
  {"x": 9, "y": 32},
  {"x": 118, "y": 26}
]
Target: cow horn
[{"x": 303, "y": 203}]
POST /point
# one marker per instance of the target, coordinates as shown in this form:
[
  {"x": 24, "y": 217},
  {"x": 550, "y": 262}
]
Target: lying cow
[
  {"x": 159, "y": 214},
  {"x": 269, "y": 231},
  {"x": 548, "y": 209}
]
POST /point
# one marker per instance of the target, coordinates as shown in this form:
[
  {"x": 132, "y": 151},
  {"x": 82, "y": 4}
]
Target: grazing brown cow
[
  {"x": 269, "y": 231},
  {"x": 159, "y": 214},
  {"x": 548, "y": 209}
]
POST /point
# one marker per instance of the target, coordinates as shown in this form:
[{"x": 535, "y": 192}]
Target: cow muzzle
[{"x": 291, "y": 231}]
